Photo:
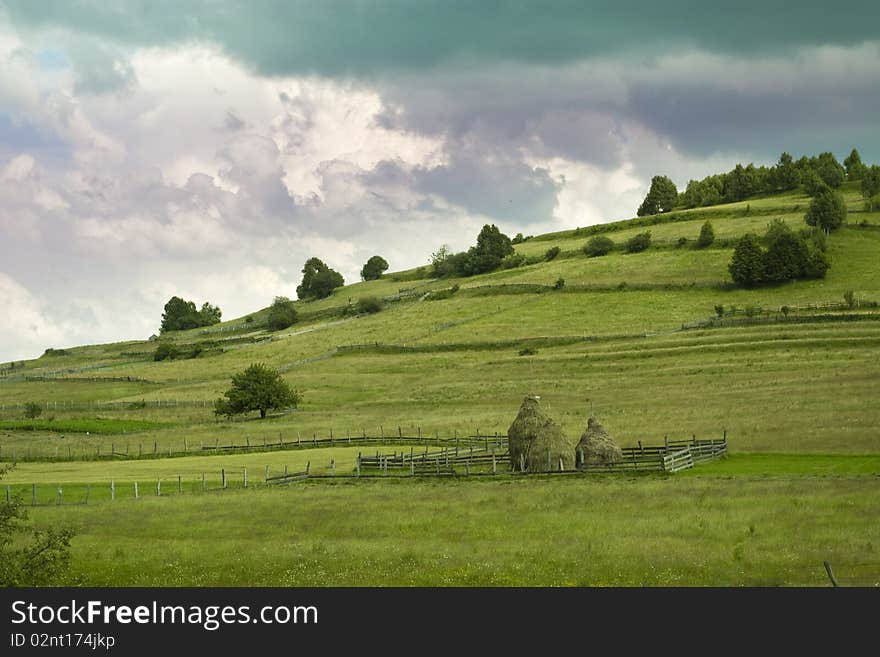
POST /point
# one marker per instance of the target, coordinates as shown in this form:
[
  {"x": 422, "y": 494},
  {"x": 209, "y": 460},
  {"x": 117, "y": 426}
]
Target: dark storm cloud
[{"x": 343, "y": 37}]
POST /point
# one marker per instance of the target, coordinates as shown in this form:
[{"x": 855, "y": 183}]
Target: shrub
[
  {"x": 248, "y": 320},
  {"x": 56, "y": 352},
  {"x": 282, "y": 313},
  {"x": 850, "y": 298},
  {"x": 551, "y": 253},
  {"x": 368, "y": 305},
  {"x": 518, "y": 239},
  {"x": 559, "y": 284},
  {"x": 527, "y": 351},
  {"x": 719, "y": 309},
  {"x": 639, "y": 242},
  {"x": 682, "y": 242},
  {"x": 598, "y": 246},
  {"x": 32, "y": 410},
  {"x": 166, "y": 351},
  {"x": 785, "y": 310},
  {"x": 513, "y": 261}
]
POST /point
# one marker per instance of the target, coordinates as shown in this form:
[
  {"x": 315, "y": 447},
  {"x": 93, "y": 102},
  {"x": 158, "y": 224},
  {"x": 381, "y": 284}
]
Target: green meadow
[{"x": 627, "y": 338}]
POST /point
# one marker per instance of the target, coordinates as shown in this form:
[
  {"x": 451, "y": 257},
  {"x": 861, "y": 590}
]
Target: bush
[
  {"x": 719, "y": 309},
  {"x": 551, "y": 253},
  {"x": 682, "y": 242},
  {"x": 599, "y": 246},
  {"x": 166, "y": 351},
  {"x": 850, "y": 298},
  {"x": 282, "y": 313},
  {"x": 527, "y": 351},
  {"x": 32, "y": 410},
  {"x": 513, "y": 261},
  {"x": 248, "y": 320},
  {"x": 368, "y": 305},
  {"x": 638, "y": 243},
  {"x": 707, "y": 235},
  {"x": 559, "y": 284},
  {"x": 56, "y": 352}
]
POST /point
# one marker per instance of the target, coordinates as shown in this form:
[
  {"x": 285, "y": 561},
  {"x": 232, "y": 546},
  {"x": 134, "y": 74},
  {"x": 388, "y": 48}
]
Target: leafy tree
[
  {"x": 32, "y": 410},
  {"x": 741, "y": 183},
  {"x": 707, "y": 235},
  {"x": 813, "y": 183},
  {"x": 830, "y": 170},
  {"x": 166, "y": 351},
  {"x": 855, "y": 168},
  {"x": 282, "y": 313},
  {"x": 551, "y": 253},
  {"x": 787, "y": 257},
  {"x": 258, "y": 388},
  {"x": 318, "y": 280},
  {"x": 559, "y": 284},
  {"x": 639, "y": 242},
  {"x": 181, "y": 315},
  {"x": 827, "y": 211},
  {"x": 599, "y": 246},
  {"x": 661, "y": 197},
  {"x": 786, "y": 174},
  {"x": 871, "y": 185},
  {"x": 373, "y": 268},
  {"x": 29, "y": 557},
  {"x": 747, "y": 264},
  {"x": 518, "y": 239}
]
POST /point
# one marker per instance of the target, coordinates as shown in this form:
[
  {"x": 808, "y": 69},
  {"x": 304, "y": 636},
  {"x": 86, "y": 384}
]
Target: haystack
[
  {"x": 598, "y": 447},
  {"x": 537, "y": 441}
]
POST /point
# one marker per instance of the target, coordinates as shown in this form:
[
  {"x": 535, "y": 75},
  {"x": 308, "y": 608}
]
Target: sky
[{"x": 207, "y": 149}]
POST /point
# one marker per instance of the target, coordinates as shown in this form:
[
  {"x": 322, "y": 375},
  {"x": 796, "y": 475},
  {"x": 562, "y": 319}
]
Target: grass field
[{"x": 795, "y": 393}]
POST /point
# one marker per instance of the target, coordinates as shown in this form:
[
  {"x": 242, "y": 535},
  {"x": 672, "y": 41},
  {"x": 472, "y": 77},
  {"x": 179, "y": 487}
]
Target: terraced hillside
[{"x": 789, "y": 372}]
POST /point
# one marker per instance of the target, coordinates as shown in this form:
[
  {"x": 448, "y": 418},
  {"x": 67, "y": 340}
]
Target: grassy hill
[{"x": 633, "y": 338}]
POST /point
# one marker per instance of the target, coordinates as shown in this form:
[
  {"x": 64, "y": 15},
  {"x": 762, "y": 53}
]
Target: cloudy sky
[{"x": 207, "y": 149}]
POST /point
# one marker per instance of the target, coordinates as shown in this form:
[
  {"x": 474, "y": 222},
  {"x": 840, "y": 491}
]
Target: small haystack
[
  {"x": 598, "y": 447},
  {"x": 537, "y": 442}
]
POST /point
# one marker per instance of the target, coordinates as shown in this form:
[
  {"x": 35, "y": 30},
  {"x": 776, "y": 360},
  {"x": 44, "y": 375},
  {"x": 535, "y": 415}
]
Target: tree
[
  {"x": 32, "y": 410},
  {"x": 871, "y": 185},
  {"x": 787, "y": 257},
  {"x": 28, "y": 556},
  {"x": 747, "y": 264},
  {"x": 258, "y": 388},
  {"x": 855, "y": 168},
  {"x": 181, "y": 315},
  {"x": 786, "y": 173},
  {"x": 318, "y": 280},
  {"x": 599, "y": 246},
  {"x": 827, "y": 211},
  {"x": 373, "y": 268},
  {"x": 282, "y": 314},
  {"x": 661, "y": 197},
  {"x": 707, "y": 235},
  {"x": 829, "y": 169},
  {"x": 813, "y": 183}
]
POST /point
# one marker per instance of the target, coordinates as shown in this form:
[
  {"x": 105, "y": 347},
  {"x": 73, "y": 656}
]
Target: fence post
[
  {"x": 185, "y": 447},
  {"x": 88, "y": 490},
  {"x": 112, "y": 491},
  {"x": 60, "y": 496},
  {"x": 412, "y": 468},
  {"x": 179, "y": 484},
  {"x": 244, "y": 477},
  {"x": 494, "y": 464},
  {"x": 285, "y": 469},
  {"x": 522, "y": 462},
  {"x": 223, "y": 476},
  {"x": 308, "y": 466},
  {"x": 267, "y": 473},
  {"x": 136, "y": 490},
  {"x": 332, "y": 468},
  {"x": 359, "y": 464},
  {"x": 561, "y": 466},
  {"x": 7, "y": 494},
  {"x": 158, "y": 487},
  {"x": 549, "y": 461},
  {"x": 203, "y": 483},
  {"x": 155, "y": 448},
  {"x": 33, "y": 495}
]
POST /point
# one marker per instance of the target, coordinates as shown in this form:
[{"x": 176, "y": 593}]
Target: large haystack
[
  {"x": 598, "y": 447},
  {"x": 537, "y": 441}
]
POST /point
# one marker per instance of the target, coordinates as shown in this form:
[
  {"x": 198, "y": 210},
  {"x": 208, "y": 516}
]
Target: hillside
[{"x": 632, "y": 338}]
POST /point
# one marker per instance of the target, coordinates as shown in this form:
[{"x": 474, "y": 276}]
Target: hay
[
  {"x": 599, "y": 448},
  {"x": 538, "y": 440}
]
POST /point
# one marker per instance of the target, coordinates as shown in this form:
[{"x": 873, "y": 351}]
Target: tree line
[{"x": 816, "y": 174}]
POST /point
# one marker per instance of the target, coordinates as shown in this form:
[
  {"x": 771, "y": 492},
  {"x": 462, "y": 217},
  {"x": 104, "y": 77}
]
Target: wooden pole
[
  {"x": 158, "y": 487},
  {"x": 223, "y": 476},
  {"x": 267, "y": 473},
  {"x": 831, "y": 576},
  {"x": 332, "y": 468},
  {"x": 359, "y": 464},
  {"x": 60, "y": 497},
  {"x": 244, "y": 477},
  {"x": 203, "y": 483},
  {"x": 179, "y": 484},
  {"x": 136, "y": 490},
  {"x": 33, "y": 495},
  {"x": 112, "y": 491},
  {"x": 88, "y": 491}
]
